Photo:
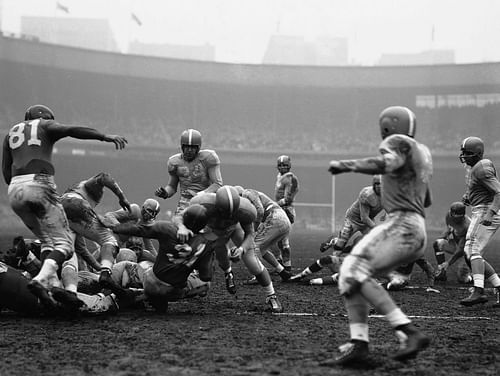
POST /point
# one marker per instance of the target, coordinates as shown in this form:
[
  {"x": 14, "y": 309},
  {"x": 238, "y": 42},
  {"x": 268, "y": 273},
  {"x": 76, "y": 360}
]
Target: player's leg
[
  {"x": 399, "y": 240},
  {"x": 275, "y": 228},
  {"x": 477, "y": 238},
  {"x": 256, "y": 268}
]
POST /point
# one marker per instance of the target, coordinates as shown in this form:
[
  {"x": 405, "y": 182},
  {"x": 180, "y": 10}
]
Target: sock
[
  {"x": 359, "y": 331},
  {"x": 397, "y": 318}
]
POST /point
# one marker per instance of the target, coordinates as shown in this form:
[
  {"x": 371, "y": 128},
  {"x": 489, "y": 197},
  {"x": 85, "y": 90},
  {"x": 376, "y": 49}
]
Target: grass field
[{"x": 233, "y": 335}]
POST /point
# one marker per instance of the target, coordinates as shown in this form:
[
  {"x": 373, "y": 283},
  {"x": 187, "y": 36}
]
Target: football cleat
[
  {"x": 230, "y": 284},
  {"x": 412, "y": 343},
  {"x": 441, "y": 275},
  {"x": 351, "y": 353},
  {"x": 251, "y": 281},
  {"x": 476, "y": 297},
  {"x": 325, "y": 246},
  {"x": 285, "y": 275},
  {"x": 497, "y": 298},
  {"x": 274, "y": 304},
  {"x": 296, "y": 277}
]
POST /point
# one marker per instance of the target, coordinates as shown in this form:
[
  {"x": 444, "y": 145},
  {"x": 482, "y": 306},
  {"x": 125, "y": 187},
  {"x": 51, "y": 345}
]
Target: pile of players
[{"x": 383, "y": 234}]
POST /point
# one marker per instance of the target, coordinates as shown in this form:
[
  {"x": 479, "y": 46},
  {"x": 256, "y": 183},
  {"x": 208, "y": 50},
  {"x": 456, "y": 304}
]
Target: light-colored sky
[{"x": 240, "y": 29}]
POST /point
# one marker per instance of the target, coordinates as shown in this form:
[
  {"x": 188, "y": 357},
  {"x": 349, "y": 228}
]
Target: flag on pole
[
  {"x": 62, "y": 7},
  {"x": 136, "y": 19}
]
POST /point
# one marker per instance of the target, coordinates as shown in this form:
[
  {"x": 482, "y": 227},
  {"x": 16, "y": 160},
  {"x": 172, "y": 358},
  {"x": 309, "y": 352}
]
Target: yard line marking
[
  {"x": 439, "y": 317},
  {"x": 309, "y": 314}
]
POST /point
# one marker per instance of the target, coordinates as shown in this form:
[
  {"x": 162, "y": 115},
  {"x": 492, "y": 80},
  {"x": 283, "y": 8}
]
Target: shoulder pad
[{"x": 209, "y": 156}]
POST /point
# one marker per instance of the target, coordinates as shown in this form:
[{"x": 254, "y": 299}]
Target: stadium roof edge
[{"x": 28, "y": 51}]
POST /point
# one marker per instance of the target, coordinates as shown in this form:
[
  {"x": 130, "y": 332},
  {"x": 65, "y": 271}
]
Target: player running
[{"x": 406, "y": 169}]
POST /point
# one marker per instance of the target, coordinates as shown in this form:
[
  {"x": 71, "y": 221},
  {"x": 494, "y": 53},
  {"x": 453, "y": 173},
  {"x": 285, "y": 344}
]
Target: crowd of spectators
[{"x": 441, "y": 129}]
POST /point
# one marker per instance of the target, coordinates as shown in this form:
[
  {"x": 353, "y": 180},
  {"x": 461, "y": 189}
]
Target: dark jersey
[
  {"x": 27, "y": 149},
  {"x": 175, "y": 260},
  {"x": 14, "y": 293}
]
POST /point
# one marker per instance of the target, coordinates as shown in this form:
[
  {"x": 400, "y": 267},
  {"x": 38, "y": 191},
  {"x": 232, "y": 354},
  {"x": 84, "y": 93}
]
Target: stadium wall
[{"x": 249, "y": 113}]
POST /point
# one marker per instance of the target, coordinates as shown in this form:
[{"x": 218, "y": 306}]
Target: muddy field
[{"x": 233, "y": 335}]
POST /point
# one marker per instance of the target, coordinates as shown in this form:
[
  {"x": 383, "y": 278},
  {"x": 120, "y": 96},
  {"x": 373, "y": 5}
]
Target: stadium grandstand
[{"x": 252, "y": 113}]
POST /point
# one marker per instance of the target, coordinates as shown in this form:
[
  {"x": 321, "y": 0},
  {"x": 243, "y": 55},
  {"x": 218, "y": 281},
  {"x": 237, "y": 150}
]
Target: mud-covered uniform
[
  {"x": 273, "y": 223},
  {"x": 239, "y": 228},
  {"x": 200, "y": 174},
  {"x": 360, "y": 215},
  {"x": 172, "y": 276},
  {"x": 15, "y": 296},
  {"x": 27, "y": 169},
  {"x": 483, "y": 193},
  {"x": 452, "y": 241},
  {"x": 405, "y": 192},
  {"x": 287, "y": 187}
]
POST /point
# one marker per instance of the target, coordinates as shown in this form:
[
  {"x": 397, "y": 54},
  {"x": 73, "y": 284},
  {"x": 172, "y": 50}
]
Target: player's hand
[
  {"x": 125, "y": 204},
  {"x": 183, "y": 234},
  {"x": 337, "y": 167},
  {"x": 465, "y": 200},
  {"x": 161, "y": 192},
  {"x": 119, "y": 141}
]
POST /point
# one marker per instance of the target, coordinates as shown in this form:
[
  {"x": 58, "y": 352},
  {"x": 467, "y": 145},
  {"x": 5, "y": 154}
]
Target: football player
[
  {"x": 173, "y": 275},
  {"x": 332, "y": 262},
  {"x": 192, "y": 171},
  {"x": 272, "y": 226},
  {"x": 360, "y": 216},
  {"x": 16, "y": 296},
  {"x": 79, "y": 203},
  {"x": 232, "y": 217},
  {"x": 144, "y": 247},
  {"x": 195, "y": 170},
  {"x": 28, "y": 170},
  {"x": 483, "y": 195},
  {"x": 400, "y": 278},
  {"x": 453, "y": 241},
  {"x": 286, "y": 188},
  {"x": 406, "y": 169}
]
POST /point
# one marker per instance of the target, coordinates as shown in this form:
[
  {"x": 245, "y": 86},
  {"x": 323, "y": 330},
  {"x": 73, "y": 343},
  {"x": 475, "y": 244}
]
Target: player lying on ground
[{"x": 16, "y": 296}]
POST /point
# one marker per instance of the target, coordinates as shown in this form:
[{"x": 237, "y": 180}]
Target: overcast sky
[{"x": 240, "y": 29}]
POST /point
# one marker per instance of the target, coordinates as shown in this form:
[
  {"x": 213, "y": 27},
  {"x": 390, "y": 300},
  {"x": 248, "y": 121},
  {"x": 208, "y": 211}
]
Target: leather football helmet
[
  {"x": 471, "y": 150},
  {"x": 457, "y": 209},
  {"x": 195, "y": 217},
  {"x": 150, "y": 209},
  {"x": 191, "y": 137},
  {"x": 190, "y": 144},
  {"x": 227, "y": 200},
  {"x": 39, "y": 111},
  {"x": 284, "y": 164},
  {"x": 397, "y": 120}
]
